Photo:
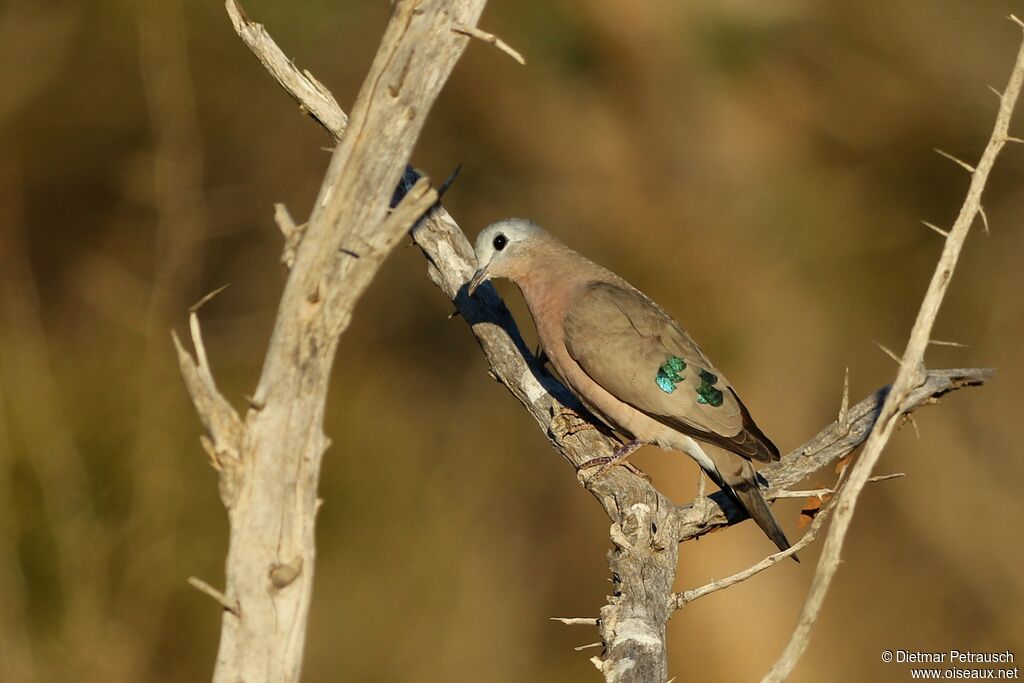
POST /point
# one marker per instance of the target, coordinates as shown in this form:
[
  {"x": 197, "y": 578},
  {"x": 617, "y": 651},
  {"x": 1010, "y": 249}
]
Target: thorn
[
  {"x": 944, "y": 233},
  {"x": 576, "y": 621},
  {"x": 448, "y": 183},
  {"x": 964, "y": 164},
  {"x": 1015, "y": 20},
  {"x": 907, "y": 417},
  {"x": 1010, "y": 138},
  {"x": 984, "y": 217},
  {"x": 844, "y": 405},
  {"x": 202, "y": 302},
  {"x": 587, "y": 646},
  {"x": 888, "y": 352},
  {"x": 886, "y": 477},
  {"x": 997, "y": 93},
  {"x": 454, "y": 314},
  {"x": 204, "y": 587},
  {"x": 474, "y": 32},
  {"x": 948, "y": 343}
]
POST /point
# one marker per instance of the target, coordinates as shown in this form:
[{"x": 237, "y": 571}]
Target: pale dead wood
[
  {"x": 474, "y": 32},
  {"x": 680, "y": 600},
  {"x": 576, "y": 621},
  {"x": 647, "y": 526},
  {"x": 309, "y": 93},
  {"x": 907, "y": 378},
  {"x": 206, "y": 588},
  {"x": 935, "y": 228},
  {"x": 292, "y": 234},
  {"x": 962, "y": 164},
  {"x": 269, "y": 463},
  {"x": 822, "y": 492}
]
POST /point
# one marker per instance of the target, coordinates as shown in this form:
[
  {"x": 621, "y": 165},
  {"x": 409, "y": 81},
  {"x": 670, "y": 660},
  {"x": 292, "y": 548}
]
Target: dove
[{"x": 629, "y": 362}]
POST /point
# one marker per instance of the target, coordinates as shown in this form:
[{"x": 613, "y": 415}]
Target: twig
[
  {"x": 889, "y": 352},
  {"x": 944, "y": 233},
  {"x": 961, "y": 164},
  {"x": 576, "y": 621},
  {"x": 821, "y": 493},
  {"x": 474, "y": 32},
  {"x": 984, "y": 218},
  {"x": 937, "y": 342},
  {"x": 680, "y": 600},
  {"x": 308, "y": 92},
  {"x": 194, "y": 308},
  {"x": 906, "y": 377},
  {"x": 203, "y": 587}
]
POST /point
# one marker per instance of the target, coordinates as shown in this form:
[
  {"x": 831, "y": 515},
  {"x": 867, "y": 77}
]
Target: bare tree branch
[
  {"x": 646, "y": 526},
  {"x": 309, "y": 93},
  {"x": 680, "y": 600},
  {"x": 474, "y": 32},
  {"x": 907, "y": 378},
  {"x": 270, "y": 462}
]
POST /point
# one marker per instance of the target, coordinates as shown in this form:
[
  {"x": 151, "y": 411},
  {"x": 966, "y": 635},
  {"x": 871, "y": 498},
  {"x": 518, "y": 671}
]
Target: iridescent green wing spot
[
  {"x": 668, "y": 374},
  {"x": 706, "y": 392}
]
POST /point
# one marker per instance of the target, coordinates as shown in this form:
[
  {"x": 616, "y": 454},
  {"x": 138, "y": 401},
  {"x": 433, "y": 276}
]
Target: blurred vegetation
[{"x": 787, "y": 143}]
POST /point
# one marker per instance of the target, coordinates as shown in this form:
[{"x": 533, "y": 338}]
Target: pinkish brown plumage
[{"x": 628, "y": 361}]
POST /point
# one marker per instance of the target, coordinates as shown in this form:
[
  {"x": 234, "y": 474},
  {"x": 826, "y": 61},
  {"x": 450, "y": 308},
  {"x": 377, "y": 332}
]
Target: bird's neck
[{"x": 555, "y": 276}]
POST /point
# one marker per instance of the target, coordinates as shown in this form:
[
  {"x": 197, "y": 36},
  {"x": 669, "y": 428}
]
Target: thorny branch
[{"x": 908, "y": 376}]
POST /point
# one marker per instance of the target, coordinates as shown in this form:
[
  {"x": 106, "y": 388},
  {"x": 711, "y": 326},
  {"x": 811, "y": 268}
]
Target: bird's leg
[{"x": 617, "y": 458}]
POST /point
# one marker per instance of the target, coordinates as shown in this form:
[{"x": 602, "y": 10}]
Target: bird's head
[{"x": 501, "y": 246}]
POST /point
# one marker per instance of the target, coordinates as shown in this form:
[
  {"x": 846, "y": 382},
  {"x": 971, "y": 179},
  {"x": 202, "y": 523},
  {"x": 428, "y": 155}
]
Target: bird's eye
[{"x": 499, "y": 242}]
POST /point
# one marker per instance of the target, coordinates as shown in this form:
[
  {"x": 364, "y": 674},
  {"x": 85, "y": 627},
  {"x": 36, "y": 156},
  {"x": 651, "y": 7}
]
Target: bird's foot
[
  {"x": 573, "y": 423},
  {"x": 619, "y": 457}
]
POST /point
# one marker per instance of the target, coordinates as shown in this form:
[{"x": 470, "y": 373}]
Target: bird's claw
[{"x": 620, "y": 457}]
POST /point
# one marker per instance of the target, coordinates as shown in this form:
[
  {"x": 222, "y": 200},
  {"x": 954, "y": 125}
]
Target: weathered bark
[{"x": 269, "y": 463}]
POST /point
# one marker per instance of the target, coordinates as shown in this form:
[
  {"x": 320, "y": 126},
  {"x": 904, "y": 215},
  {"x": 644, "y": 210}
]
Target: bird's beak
[{"x": 478, "y": 278}]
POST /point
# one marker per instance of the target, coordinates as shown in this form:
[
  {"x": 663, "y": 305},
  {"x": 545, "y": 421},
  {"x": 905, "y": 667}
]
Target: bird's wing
[{"x": 636, "y": 352}]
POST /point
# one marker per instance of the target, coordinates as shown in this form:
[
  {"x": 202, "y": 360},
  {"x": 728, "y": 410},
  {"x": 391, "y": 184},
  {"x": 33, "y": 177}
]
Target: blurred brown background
[{"x": 141, "y": 148}]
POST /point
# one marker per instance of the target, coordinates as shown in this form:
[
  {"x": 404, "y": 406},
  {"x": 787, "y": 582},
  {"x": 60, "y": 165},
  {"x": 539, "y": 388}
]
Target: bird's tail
[{"x": 739, "y": 479}]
